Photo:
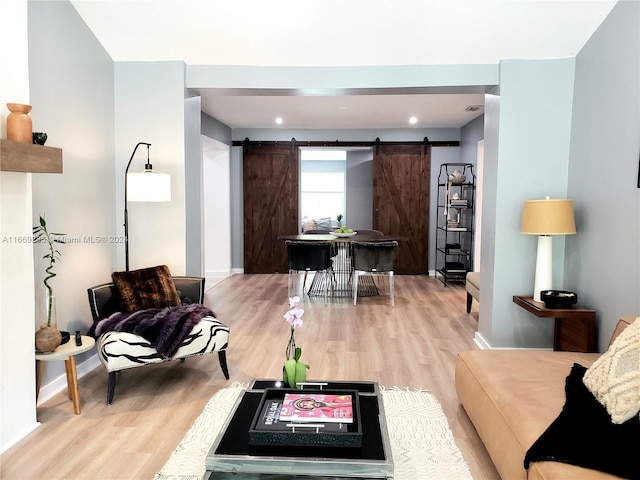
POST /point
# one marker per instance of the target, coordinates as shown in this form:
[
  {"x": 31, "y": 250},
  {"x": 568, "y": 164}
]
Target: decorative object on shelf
[
  {"x": 457, "y": 177},
  {"x": 147, "y": 186},
  {"x": 558, "y": 298},
  {"x": 48, "y": 338},
  {"x": 545, "y": 218},
  {"x": 19, "y": 125},
  {"x": 294, "y": 371},
  {"x": 39, "y": 138}
]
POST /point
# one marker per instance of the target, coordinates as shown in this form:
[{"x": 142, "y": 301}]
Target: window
[{"x": 322, "y": 185}]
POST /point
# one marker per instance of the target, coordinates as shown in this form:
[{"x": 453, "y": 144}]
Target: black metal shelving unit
[{"x": 454, "y": 224}]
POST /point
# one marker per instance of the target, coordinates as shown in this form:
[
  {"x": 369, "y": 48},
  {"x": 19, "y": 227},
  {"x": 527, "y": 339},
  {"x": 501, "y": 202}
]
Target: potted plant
[
  {"x": 294, "y": 371},
  {"x": 48, "y": 337}
]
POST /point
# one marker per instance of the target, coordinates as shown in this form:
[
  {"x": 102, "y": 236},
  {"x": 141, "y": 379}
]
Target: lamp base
[{"x": 543, "y": 267}]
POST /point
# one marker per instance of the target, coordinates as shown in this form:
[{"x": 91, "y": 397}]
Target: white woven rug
[{"x": 422, "y": 444}]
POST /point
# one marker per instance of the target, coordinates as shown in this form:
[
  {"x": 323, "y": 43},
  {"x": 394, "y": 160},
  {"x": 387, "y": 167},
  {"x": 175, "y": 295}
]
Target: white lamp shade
[{"x": 149, "y": 186}]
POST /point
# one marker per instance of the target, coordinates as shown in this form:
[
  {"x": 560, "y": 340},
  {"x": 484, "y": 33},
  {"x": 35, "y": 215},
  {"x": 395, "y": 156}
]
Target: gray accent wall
[
  {"x": 72, "y": 93},
  {"x": 359, "y": 189},
  {"x": 530, "y": 162},
  {"x": 603, "y": 260},
  {"x": 194, "y": 216}
]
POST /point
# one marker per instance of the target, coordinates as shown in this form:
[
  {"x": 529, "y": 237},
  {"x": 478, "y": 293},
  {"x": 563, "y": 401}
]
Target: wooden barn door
[
  {"x": 270, "y": 182},
  {"x": 401, "y": 176}
]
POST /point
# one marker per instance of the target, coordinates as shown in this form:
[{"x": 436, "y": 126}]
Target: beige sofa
[{"x": 512, "y": 396}]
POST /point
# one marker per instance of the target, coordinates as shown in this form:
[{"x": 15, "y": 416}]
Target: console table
[{"x": 575, "y": 327}]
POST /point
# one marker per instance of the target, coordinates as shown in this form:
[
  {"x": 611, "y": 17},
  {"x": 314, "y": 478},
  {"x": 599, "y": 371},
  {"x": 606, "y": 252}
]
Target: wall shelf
[{"x": 29, "y": 158}]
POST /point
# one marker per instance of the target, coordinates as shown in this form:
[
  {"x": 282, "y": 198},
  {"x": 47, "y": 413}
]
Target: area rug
[{"x": 422, "y": 444}]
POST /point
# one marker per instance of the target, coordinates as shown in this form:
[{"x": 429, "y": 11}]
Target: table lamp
[
  {"x": 147, "y": 186},
  {"x": 546, "y": 218}
]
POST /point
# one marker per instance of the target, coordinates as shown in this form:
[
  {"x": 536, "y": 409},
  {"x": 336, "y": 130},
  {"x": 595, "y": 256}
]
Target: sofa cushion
[
  {"x": 584, "y": 435},
  {"x": 614, "y": 379},
  {"x": 146, "y": 288}
]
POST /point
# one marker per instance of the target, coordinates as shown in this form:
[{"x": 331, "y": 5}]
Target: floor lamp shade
[
  {"x": 149, "y": 186},
  {"x": 545, "y": 218}
]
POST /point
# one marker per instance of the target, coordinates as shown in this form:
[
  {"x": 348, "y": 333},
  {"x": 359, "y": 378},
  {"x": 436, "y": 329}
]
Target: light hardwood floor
[{"x": 413, "y": 344}]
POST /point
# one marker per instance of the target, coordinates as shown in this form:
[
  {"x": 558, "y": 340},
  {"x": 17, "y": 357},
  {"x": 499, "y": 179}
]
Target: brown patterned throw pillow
[{"x": 146, "y": 288}]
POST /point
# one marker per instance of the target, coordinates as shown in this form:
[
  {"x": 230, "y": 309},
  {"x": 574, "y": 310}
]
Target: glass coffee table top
[{"x": 231, "y": 453}]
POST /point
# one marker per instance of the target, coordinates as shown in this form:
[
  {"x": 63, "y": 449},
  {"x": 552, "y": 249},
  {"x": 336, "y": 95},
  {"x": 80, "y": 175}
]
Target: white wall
[
  {"x": 17, "y": 327},
  {"x": 216, "y": 181}
]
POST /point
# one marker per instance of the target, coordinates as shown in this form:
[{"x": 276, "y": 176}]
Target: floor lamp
[
  {"x": 147, "y": 186},
  {"x": 546, "y": 218}
]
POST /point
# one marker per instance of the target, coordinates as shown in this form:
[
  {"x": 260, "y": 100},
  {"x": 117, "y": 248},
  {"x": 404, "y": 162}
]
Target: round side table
[{"x": 66, "y": 352}]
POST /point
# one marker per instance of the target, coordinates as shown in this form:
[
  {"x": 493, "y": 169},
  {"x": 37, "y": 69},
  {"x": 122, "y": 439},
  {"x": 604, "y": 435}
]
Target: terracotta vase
[
  {"x": 19, "y": 125},
  {"x": 48, "y": 338}
]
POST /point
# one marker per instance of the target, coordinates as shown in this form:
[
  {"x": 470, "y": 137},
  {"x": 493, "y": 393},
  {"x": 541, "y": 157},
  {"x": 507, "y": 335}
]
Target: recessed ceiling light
[
  {"x": 279, "y": 120},
  {"x": 413, "y": 120}
]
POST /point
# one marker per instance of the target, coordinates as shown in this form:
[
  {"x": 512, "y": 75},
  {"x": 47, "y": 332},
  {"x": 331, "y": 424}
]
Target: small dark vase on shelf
[{"x": 39, "y": 138}]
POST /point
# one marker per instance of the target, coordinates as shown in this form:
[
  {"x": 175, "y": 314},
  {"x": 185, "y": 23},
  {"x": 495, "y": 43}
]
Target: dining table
[{"x": 341, "y": 263}]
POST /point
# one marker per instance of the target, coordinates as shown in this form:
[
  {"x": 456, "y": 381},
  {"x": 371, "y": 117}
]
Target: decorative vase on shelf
[
  {"x": 19, "y": 125},
  {"x": 48, "y": 337}
]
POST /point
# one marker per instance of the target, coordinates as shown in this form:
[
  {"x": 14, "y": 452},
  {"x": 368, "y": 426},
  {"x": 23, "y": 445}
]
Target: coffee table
[{"x": 231, "y": 456}]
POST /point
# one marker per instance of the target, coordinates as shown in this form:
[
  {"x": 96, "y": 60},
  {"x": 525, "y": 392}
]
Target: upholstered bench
[
  {"x": 120, "y": 350},
  {"x": 473, "y": 288}
]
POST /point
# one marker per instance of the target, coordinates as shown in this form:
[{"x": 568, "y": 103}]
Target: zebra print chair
[{"x": 121, "y": 350}]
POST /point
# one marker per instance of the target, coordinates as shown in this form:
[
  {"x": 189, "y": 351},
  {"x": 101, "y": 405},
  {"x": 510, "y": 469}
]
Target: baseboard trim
[
  {"x": 59, "y": 384},
  {"x": 481, "y": 342},
  {"x": 17, "y": 437}
]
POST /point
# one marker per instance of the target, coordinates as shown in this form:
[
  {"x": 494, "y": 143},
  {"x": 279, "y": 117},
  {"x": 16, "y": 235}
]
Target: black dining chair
[
  {"x": 334, "y": 246},
  {"x": 370, "y": 233},
  {"x": 311, "y": 256},
  {"x": 373, "y": 258}
]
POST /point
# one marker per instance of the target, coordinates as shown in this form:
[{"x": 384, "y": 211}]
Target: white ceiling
[{"x": 341, "y": 33}]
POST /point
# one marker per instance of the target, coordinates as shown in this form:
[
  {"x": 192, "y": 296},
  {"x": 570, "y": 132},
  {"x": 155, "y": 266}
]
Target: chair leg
[
  {"x": 355, "y": 287},
  {"x": 111, "y": 387},
  {"x": 222, "y": 357},
  {"x": 393, "y": 302},
  {"x": 469, "y": 302}
]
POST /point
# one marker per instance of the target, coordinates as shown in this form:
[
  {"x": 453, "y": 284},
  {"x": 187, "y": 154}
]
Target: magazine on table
[
  {"x": 269, "y": 417},
  {"x": 317, "y": 408}
]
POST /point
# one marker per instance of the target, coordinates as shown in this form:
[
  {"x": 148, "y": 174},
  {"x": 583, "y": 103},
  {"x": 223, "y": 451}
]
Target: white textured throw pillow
[{"x": 614, "y": 378}]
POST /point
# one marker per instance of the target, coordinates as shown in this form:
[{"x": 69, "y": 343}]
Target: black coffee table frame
[{"x": 232, "y": 454}]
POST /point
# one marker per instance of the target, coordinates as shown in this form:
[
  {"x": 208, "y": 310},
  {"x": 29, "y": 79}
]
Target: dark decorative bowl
[
  {"x": 65, "y": 337},
  {"x": 558, "y": 298},
  {"x": 39, "y": 138}
]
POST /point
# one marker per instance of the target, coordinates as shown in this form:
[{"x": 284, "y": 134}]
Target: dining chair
[
  {"x": 334, "y": 246},
  {"x": 373, "y": 258},
  {"x": 308, "y": 256},
  {"x": 370, "y": 233}
]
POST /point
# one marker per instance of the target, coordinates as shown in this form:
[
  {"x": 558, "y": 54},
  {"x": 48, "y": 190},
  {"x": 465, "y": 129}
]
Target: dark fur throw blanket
[{"x": 164, "y": 328}]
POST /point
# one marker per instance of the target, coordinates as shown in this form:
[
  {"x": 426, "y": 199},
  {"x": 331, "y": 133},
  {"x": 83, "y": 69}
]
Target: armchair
[{"x": 119, "y": 350}]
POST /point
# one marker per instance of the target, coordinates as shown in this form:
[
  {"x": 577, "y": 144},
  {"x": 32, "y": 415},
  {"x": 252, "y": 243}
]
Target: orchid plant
[{"x": 294, "y": 370}]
